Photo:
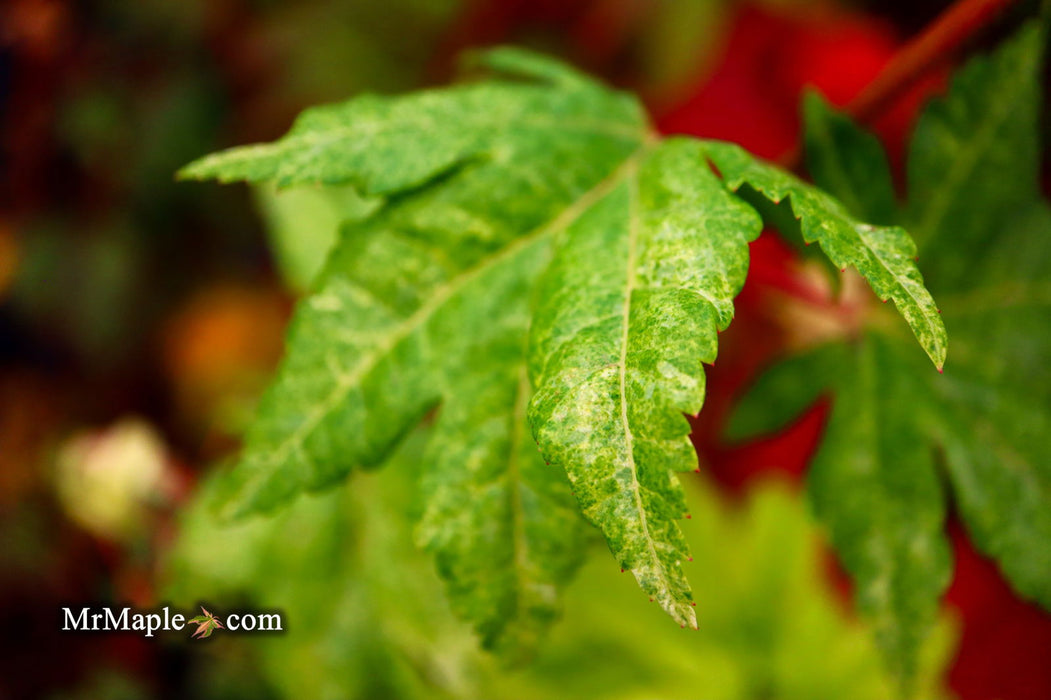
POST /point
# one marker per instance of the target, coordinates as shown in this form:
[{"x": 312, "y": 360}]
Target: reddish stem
[
  {"x": 935, "y": 45},
  {"x": 938, "y": 41}
]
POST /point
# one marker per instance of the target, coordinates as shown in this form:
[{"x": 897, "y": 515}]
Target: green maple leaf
[
  {"x": 982, "y": 228},
  {"x": 537, "y": 253},
  {"x": 884, "y": 255}
]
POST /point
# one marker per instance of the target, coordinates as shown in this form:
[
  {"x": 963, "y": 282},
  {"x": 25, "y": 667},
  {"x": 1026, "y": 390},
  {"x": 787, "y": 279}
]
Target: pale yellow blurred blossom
[{"x": 109, "y": 480}]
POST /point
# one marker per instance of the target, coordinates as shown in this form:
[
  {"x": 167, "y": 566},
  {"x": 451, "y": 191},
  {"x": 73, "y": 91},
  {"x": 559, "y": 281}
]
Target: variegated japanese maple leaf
[{"x": 540, "y": 265}]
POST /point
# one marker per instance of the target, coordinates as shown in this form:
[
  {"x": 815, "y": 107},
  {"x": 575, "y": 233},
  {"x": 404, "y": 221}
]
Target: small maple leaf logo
[{"x": 206, "y": 624}]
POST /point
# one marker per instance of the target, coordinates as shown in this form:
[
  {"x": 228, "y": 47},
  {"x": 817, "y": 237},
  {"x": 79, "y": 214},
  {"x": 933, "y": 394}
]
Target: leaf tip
[
  {"x": 938, "y": 356},
  {"x": 187, "y": 172}
]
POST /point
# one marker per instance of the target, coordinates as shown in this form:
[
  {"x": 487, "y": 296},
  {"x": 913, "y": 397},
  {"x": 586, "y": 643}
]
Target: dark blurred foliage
[{"x": 124, "y": 294}]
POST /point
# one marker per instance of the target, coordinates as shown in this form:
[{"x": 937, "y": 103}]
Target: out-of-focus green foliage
[
  {"x": 303, "y": 225},
  {"x": 984, "y": 236},
  {"x": 366, "y": 616},
  {"x": 108, "y": 242},
  {"x": 677, "y": 42},
  {"x": 333, "y": 47},
  {"x": 974, "y": 160}
]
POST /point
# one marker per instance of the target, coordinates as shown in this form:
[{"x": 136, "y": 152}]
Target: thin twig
[{"x": 934, "y": 46}]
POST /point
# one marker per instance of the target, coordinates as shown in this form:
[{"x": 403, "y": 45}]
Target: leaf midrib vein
[{"x": 632, "y": 263}]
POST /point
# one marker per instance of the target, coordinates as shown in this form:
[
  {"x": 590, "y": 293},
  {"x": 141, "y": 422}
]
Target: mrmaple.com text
[{"x": 104, "y": 619}]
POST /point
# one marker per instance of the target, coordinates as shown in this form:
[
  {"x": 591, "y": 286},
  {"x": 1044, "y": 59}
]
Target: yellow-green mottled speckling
[
  {"x": 627, "y": 314},
  {"x": 526, "y": 232},
  {"x": 884, "y": 255}
]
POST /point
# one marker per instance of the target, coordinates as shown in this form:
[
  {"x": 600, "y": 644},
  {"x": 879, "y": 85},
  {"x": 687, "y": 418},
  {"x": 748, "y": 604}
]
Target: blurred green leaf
[
  {"x": 848, "y": 161},
  {"x": 366, "y": 618},
  {"x": 974, "y": 158},
  {"x": 874, "y": 484},
  {"x": 783, "y": 391},
  {"x": 895, "y": 426},
  {"x": 303, "y": 225}
]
